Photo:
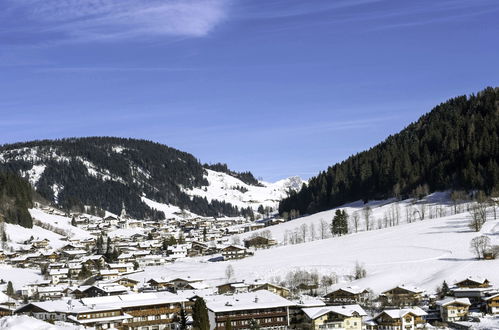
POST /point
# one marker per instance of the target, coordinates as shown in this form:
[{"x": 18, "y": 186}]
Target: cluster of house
[{"x": 157, "y": 304}]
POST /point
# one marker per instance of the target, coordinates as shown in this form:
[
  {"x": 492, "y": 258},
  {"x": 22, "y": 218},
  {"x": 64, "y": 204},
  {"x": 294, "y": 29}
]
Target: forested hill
[
  {"x": 15, "y": 199},
  {"x": 246, "y": 177},
  {"x": 107, "y": 172},
  {"x": 456, "y": 145}
]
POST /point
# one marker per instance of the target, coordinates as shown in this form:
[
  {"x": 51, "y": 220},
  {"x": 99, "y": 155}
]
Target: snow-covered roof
[
  {"x": 245, "y": 301},
  {"x": 452, "y": 300},
  {"x": 409, "y": 288},
  {"x": 398, "y": 313},
  {"x": 309, "y": 301},
  {"x": 352, "y": 289},
  {"x": 345, "y": 310},
  {"x": 476, "y": 279}
]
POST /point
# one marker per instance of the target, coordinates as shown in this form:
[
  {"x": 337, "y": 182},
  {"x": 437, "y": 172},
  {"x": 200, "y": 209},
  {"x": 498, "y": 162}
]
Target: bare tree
[
  {"x": 355, "y": 220},
  {"x": 422, "y": 210},
  {"x": 458, "y": 197},
  {"x": 478, "y": 214},
  {"x": 266, "y": 234},
  {"x": 479, "y": 245},
  {"x": 323, "y": 229},
  {"x": 229, "y": 272},
  {"x": 236, "y": 240},
  {"x": 359, "y": 271},
  {"x": 367, "y": 212},
  {"x": 303, "y": 232},
  {"x": 311, "y": 229}
]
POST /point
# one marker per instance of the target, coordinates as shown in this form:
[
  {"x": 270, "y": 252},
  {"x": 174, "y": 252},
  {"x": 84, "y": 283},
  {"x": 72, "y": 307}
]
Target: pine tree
[
  {"x": 183, "y": 319},
  {"x": 10, "y": 289},
  {"x": 200, "y": 315},
  {"x": 84, "y": 272},
  {"x": 339, "y": 225},
  {"x": 228, "y": 325}
]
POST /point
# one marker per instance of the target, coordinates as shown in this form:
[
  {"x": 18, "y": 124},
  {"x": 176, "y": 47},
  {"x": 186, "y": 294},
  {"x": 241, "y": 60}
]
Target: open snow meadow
[{"x": 422, "y": 253}]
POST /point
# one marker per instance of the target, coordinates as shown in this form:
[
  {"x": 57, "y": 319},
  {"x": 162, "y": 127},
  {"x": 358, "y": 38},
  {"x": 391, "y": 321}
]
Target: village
[{"x": 98, "y": 282}]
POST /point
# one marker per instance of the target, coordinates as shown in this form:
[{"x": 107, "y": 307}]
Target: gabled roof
[
  {"x": 409, "y": 288},
  {"x": 399, "y": 313},
  {"x": 345, "y": 310},
  {"x": 246, "y": 301},
  {"x": 350, "y": 289},
  {"x": 475, "y": 279},
  {"x": 452, "y": 300}
]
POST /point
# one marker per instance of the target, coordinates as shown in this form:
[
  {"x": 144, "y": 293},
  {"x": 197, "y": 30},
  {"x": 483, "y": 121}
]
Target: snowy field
[
  {"x": 24, "y": 322},
  {"x": 422, "y": 253}
]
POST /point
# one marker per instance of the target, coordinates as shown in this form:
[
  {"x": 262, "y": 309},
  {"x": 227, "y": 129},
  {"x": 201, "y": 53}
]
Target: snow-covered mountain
[
  {"x": 145, "y": 177},
  {"x": 224, "y": 187}
]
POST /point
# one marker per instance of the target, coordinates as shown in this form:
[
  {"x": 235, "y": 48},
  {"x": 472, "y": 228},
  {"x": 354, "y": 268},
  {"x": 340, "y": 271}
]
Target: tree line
[
  {"x": 121, "y": 170},
  {"x": 455, "y": 146}
]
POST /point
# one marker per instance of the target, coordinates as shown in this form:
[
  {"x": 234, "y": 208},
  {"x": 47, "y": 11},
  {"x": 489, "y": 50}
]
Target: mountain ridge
[{"x": 109, "y": 172}]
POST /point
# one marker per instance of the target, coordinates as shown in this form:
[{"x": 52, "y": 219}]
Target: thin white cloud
[{"x": 121, "y": 19}]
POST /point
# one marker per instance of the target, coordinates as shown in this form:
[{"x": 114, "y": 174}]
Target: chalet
[
  {"x": 5, "y": 311},
  {"x": 234, "y": 252},
  {"x": 58, "y": 275},
  {"x": 133, "y": 311},
  {"x": 122, "y": 267},
  {"x": 297, "y": 317},
  {"x": 151, "y": 260},
  {"x": 401, "y": 319},
  {"x": 31, "y": 289},
  {"x": 474, "y": 282},
  {"x": 100, "y": 290},
  {"x": 95, "y": 261},
  {"x": 233, "y": 287},
  {"x": 159, "y": 284},
  {"x": 186, "y": 284},
  {"x": 348, "y": 317},
  {"x": 102, "y": 317},
  {"x": 50, "y": 256},
  {"x": 402, "y": 295},
  {"x": 453, "y": 309},
  {"x": 177, "y": 252},
  {"x": 197, "y": 249},
  {"x": 347, "y": 295},
  {"x": 72, "y": 247},
  {"x": 72, "y": 254},
  {"x": 492, "y": 304},
  {"x": 266, "y": 309},
  {"x": 259, "y": 242},
  {"x": 41, "y": 243},
  {"x": 277, "y": 289},
  {"x": 50, "y": 292},
  {"x": 129, "y": 283},
  {"x": 109, "y": 274}
]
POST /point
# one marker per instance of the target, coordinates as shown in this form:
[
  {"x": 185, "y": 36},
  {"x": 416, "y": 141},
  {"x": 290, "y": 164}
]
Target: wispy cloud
[{"x": 91, "y": 20}]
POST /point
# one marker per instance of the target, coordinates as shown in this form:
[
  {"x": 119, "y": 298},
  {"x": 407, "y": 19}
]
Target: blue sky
[{"x": 278, "y": 87}]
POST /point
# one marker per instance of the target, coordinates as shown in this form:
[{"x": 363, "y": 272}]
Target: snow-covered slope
[
  {"x": 224, "y": 187},
  {"x": 109, "y": 172},
  {"x": 422, "y": 253},
  {"x": 24, "y": 322}
]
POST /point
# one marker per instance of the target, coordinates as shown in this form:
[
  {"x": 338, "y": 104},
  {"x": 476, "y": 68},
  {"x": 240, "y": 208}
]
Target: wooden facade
[
  {"x": 241, "y": 319},
  {"x": 347, "y": 296}
]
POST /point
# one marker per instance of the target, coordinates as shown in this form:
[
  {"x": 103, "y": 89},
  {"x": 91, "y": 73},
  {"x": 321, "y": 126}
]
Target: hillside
[
  {"x": 455, "y": 146},
  {"x": 106, "y": 173},
  {"x": 422, "y": 253},
  {"x": 15, "y": 199}
]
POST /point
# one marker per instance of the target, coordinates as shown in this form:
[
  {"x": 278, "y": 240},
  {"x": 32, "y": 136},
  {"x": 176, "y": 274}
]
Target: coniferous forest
[
  {"x": 107, "y": 173},
  {"x": 15, "y": 199},
  {"x": 455, "y": 146}
]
